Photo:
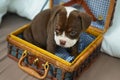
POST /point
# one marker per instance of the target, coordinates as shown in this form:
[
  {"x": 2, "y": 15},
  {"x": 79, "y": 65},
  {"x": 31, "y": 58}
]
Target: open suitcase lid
[{"x": 102, "y": 9}]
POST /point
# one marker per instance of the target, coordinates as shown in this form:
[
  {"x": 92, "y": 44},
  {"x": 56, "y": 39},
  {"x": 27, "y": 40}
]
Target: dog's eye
[
  {"x": 58, "y": 32},
  {"x": 73, "y": 33}
]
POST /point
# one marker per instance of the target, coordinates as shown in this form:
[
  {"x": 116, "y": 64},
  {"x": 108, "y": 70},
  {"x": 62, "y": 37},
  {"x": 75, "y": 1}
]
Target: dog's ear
[
  {"x": 85, "y": 19},
  {"x": 54, "y": 11},
  {"x": 50, "y": 30}
]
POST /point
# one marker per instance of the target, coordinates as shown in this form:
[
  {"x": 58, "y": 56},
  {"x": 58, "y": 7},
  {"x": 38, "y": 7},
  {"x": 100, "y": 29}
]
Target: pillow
[
  {"x": 28, "y": 8},
  {"x": 111, "y": 41},
  {"x": 3, "y": 8}
]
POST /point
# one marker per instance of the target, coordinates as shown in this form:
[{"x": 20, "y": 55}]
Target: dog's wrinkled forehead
[
  {"x": 66, "y": 11},
  {"x": 67, "y": 15},
  {"x": 69, "y": 10}
]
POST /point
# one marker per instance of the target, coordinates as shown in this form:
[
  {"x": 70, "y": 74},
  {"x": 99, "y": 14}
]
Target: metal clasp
[{"x": 35, "y": 62}]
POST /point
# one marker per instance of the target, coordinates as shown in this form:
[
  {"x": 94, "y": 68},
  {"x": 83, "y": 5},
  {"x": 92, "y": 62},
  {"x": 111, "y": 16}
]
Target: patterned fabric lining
[{"x": 99, "y": 8}]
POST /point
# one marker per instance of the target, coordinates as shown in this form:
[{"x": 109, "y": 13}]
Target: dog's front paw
[
  {"x": 51, "y": 48},
  {"x": 74, "y": 50},
  {"x": 74, "y": 53}
]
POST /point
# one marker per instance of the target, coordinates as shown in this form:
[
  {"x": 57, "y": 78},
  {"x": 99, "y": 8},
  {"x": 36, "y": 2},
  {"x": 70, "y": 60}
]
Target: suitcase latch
[{"x": 36, "y": 61}]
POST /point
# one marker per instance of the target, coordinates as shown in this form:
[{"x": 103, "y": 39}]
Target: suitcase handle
[{"x": 30, "y": 70}]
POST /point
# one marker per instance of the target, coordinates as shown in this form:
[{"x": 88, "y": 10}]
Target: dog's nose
[{"x": 62, "y": 42}]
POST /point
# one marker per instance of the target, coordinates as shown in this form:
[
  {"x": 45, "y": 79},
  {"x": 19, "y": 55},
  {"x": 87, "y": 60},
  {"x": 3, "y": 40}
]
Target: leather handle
[{"x": 30, "y": 70}]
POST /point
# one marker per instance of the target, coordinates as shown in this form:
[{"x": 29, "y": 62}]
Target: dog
[{"x": 59, "y": 26}]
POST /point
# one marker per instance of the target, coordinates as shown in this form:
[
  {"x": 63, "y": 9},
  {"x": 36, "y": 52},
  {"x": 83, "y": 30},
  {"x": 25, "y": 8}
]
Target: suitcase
[{"x": 61, "y": 66}]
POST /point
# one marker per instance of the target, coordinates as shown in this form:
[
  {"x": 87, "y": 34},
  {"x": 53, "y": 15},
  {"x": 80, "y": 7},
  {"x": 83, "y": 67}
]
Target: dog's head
[{"x": 68, "y": 24}]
